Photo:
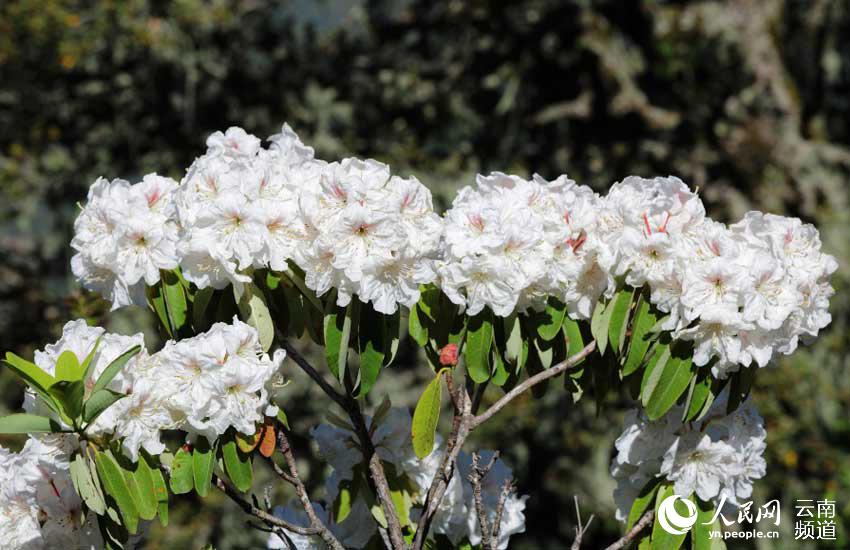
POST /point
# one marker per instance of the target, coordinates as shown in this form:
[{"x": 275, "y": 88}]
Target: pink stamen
[
  {"x": 663, "y": 228},
  {"x": 646, "y": 224}
]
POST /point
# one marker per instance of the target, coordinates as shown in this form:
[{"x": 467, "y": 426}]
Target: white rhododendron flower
[
  {"x": 509, "y": 243},
  {"x": 203, "y": 385},
  {"x": 39, "y": 508},
  {"x": 720, "y": 455},
  {"x": 124, "y": 236}
]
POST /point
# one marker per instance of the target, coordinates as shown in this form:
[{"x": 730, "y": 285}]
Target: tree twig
[
  {"x": 580, "y": 528},
  {"x": 532, "y": 381},
  {"x": 645, "y": 520},
  {"x": 305, "y": 365},
  {"x": 271, "y": 520},
  {"x": 476, "y": 474},
  {"x": 507, "y": 489}
]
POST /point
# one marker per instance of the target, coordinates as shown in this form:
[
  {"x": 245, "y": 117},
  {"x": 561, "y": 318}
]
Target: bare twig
[
  {"x": 299, "y": 359},
  {"x": 476, "y": 474},
  {"x": 645, "y": 520},
  {"x": 321, "y": 529},
  {"x": 507, "y": 489},
  {"x": 580, "y": 529},
  {"x": 267, "y": 518},
  {"x": 532, "y": 381}
]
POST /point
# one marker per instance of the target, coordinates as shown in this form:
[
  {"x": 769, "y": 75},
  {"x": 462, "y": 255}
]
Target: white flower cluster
[
  {"x": 124, "y": 236},
  {"x": 509, "y": 243},
  {"x": 348, "y": 225},
  {"x": 456, "y": 517},
  {"x": 740, "y": 293},
  {"x": 39, "y": 508},
  {"x": 718, "y": 456},
  {"x": 202, "y": 385}
]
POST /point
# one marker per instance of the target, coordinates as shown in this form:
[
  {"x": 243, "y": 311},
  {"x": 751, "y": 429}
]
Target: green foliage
[{"x": 426, "y": 416}]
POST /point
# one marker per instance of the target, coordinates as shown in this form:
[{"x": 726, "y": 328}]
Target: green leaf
[
  {"x": 69, "y": 395},
  {"x": 672, "y": 383},
  {"x": 114, "y": 368},
  {"x": 572, "y": 331},
  {"x": 644, "y": 319},
  {"x": 392, "y": 328},
  {"x": 337, "y": 329},
  {"x": 653, "y": 371},
  {"x": 371, "y": 343},
  {"x": 739, "y": 387},
  {"x": 513, "y": 340},
  {"x": 500, "y": 372},
  {"x": 203, "y": 463},
  {"x": 698, "y": 394},
  {"x": 112, "y": 476},
  {"x": 24, "y": 423},
  {"x": 426, "y": 416},
  {"x": 643, "y": 502},
  {"x": 182, "y": 478},
  {"x": 140, "y": 485},
  {"x": 236, "y": 463},
  {"x": 98, "y": 402},
  {"x": 553, "y": 319},
  {"x": 156, "y": 300},
  {"x": 599, "y": 324},
  {"x": 479, "y": 338},
  {"x": 159, "y": 487},
  {"x": 661, "y": 539},
  {"x": 700, "y": 535},
  {"x": 255, "y": 311},
  {"x": 36, "y": 378},
  {"x": 619, "y": 322},
  {"x": 68, "y": 367},
  {"x": 176, "y": 304},
  {"x": 88, "y": 362},
  {"x": 87, "y": 487},
  {"x": 200, "y": 303},
  {"x": 416, "y": 327}
]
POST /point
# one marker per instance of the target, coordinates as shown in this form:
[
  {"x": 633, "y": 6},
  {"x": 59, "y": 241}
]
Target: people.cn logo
[{"x": 671, "y": 520}]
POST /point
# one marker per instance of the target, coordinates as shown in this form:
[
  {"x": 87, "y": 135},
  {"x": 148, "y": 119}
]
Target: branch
[
  {"x": 272, "y": 521},
  {"x": 311, "y": 372},
  {"x": 507, "y": 489},
  {"x": 580, "y": 529},
  {"x": 475, "y": 475},
  {"x": 532, "y": 381},
  {"x": 645, "y": 520},
  {"x": 294, "y": 479}
]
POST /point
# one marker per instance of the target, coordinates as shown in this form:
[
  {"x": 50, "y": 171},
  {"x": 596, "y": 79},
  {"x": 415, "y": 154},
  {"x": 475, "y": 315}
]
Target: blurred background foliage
[{"x": 749, "y": 100}]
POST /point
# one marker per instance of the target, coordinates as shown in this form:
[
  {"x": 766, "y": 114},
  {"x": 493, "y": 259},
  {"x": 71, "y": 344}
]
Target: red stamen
[{"x": 646, "y": 224}]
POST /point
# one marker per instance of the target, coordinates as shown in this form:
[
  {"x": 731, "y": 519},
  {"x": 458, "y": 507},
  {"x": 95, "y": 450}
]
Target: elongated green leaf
[
  {"x": 599, "y": 324},
  {"x": 572, "y": 332},
  {"x": 140, "y": 486},
  {"x": 661, "y": 539},
  {"x": 372, "y": 345},
  {"x": 416, "y": 327},
  {"x": 36, "y": 378},
  {"x": 500, "y": 371},
  {"x": 701, "y": 538},
  {"x": 674, "y": 380},
  {"x": 69, "y": 395},
  {"x": 237, "y": 464},
  {"x": 426, "y": 416},
  {"x": 553, "y": 319},
  {"x": 114, "y": 368},
  {"x": 619, "y": 323},
  {"x": 337, "y": 329},
  {"x": 203, "y": 462},
  {"x": 479, "y": 339},
  {"x": 98, "y": 402},
  {"x": 23, "y": 423},
  {"x": 644, "y": 320},
  {"x": 513, "y": 340},
  {"x": 113, "y": 480},
  {"x": 176, "y": 304},
  {"x": 87, "y": 486},
  {"x": 392, "y": 329},
  {"x": 644, "y": 501},
  {"x": 698, "y": 393},
  {"x": 182, "y": 477},
  {"x": 68, "y": 367},
  {"x": 156, "y": 300},
  {"x": 159, "y": 487},
  {"x": 88, "y": 362},
  {"x": 654, "y": 369},
  {"x": 255, "y": 311},
  {"x": 200, "y": 304}
]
